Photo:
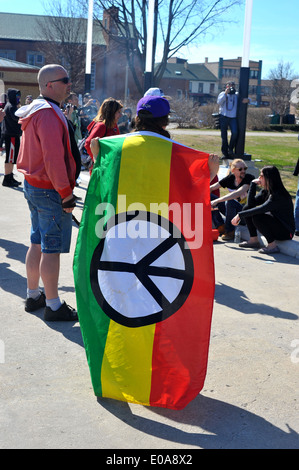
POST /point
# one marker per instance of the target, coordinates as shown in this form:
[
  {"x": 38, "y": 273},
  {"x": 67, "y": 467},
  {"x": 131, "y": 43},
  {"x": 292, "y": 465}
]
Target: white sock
[
  {"x": 54, "y": 304},
  {"x": 33, "y": 293}
]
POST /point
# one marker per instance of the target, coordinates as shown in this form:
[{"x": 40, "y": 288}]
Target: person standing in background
[
  {"x": 11, "y": 131},
  {"x": 228, "y": 107}
]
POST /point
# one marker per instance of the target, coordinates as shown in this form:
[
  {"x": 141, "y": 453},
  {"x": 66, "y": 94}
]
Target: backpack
[{"x": 86, "y": 159}]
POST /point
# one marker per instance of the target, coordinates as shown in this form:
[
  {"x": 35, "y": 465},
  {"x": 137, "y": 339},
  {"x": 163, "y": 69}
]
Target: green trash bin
[{"x": 275, "y": 119}]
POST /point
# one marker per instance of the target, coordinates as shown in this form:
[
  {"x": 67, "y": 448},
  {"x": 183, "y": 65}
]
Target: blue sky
[{"x": 274, "y": 33}]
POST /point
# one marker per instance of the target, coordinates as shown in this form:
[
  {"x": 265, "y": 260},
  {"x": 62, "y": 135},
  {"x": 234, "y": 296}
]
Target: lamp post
[
  {"x": 89, "y": 48},
  {"x": 148, "y": 73},
  {"x": 244, "y": 84}
]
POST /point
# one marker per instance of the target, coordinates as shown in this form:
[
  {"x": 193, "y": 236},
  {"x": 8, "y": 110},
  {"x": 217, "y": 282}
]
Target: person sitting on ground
[
  {"x": 237, "y": 183},
  {"x": 270, "y": 211},
  {"x": 105, "y": 122}
]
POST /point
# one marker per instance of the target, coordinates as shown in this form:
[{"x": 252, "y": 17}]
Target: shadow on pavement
[
  {"x": 237, "y": 299},
  {"x": 221, "y": 425}
]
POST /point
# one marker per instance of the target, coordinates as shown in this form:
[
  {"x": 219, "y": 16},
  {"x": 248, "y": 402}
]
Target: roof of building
[
  {"x": 16, "y": 26},
  {"x": 9, "y": 64},
  {"x": 189, "y": 72}
]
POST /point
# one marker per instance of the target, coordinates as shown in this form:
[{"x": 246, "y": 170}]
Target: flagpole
[
  {"x": 89, "y": 48},
  {"x": 244, "y": 83},
  {"x": 148, "y": 73}
]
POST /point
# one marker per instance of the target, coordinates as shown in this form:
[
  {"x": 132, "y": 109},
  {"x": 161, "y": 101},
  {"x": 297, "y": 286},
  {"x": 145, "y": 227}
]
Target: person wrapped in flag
[{"x": 143, "y": 264}]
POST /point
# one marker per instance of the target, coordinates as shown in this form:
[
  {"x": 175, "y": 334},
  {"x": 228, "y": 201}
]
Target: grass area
[{"x": 277, "y": 150}]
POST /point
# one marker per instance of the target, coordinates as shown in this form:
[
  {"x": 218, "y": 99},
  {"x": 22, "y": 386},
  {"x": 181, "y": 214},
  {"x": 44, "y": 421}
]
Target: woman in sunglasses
[
  {"x": 270, "y": 212},
  {"x": 237, "y": 183}
]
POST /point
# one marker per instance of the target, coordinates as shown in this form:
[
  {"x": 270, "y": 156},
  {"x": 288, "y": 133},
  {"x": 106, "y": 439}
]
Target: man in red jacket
[{"x": 49, "y": 169}]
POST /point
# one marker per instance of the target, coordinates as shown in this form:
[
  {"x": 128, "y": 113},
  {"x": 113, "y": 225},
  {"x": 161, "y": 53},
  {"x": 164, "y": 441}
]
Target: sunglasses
[
  {"x": 243, "y": 168},
  {"x": 64, "y": 80}
]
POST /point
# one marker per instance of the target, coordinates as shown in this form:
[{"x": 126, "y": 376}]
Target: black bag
[
  {"x": 86, "y": 159},
  {"x": 74, "y": 148}
]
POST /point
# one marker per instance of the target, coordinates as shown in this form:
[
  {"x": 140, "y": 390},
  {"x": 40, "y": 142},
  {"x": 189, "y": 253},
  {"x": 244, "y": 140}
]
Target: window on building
[
  {"x": 179, "y": 94},
  {"x": 35, "y": 58},
  {"x": 254, "y": 74},
  {"x": 265, "y": 90},
  {"x": 252, "y": 89},
  {"x": 230, "y": 72},
  {"x": 212, "y": 88},
  {"x": 200, "y": 88},
  {"x": 8, "y": 54}
]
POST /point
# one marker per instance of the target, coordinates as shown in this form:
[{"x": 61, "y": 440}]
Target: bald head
[{"x": 50, "y": 84}]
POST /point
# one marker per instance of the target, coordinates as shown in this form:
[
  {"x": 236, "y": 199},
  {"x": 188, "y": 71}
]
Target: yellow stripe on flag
[{"x": 144, "y": 178}]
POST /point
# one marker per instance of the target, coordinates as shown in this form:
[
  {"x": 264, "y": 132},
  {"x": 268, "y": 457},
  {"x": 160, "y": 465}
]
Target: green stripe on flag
[{"x": 94, "y": 323}]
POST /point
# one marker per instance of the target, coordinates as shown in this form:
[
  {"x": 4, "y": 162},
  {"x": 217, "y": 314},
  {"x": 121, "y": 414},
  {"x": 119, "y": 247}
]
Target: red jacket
[
  {"x": 45, "y": 156},
  {"x": 98, "y": 129}
]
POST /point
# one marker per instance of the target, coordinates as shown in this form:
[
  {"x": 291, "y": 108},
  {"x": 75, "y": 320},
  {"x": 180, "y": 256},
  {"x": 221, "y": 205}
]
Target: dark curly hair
[{"x": 144, "y": 122}]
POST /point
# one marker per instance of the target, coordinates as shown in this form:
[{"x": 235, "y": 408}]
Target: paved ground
[{"x": 250, "y": 397}]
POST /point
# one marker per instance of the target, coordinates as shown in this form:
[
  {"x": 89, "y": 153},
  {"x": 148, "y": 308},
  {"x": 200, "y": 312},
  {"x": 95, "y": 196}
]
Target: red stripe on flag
[{"x": 181, "y": 342}]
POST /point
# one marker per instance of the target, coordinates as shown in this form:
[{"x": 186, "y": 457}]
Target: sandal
[{"x": 249, "y": 245}]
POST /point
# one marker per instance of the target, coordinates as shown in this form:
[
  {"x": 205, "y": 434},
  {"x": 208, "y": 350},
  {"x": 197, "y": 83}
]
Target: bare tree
[
  {"x": 64, "y": 32},
  {"x": 281, "y": 78},
  {"x": 177, "y": 23}
]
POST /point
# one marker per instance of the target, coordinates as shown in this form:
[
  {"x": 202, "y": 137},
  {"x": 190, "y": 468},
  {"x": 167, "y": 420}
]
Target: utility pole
[
  {"x": 89, "y": 48},
  {"x": 244, "y": 84},
  {"x": 148, "y": 73}
]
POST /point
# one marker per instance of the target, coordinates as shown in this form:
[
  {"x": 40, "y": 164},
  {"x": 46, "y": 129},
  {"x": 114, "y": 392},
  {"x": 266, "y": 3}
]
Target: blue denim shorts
[{"x": 51, "y": 227}]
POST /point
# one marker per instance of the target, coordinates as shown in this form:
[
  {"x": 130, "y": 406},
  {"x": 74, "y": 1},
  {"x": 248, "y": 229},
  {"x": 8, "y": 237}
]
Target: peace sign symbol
[{"x": 141, "y": 280}]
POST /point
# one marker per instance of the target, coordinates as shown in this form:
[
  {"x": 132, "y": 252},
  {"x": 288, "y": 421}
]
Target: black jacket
[
  {"x": 279, "y": 206},
  {"x": 10, "y": 125}
]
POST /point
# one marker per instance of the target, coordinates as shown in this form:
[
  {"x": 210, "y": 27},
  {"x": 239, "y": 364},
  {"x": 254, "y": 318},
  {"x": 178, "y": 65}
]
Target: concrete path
[{"x": 250, "y": 396}]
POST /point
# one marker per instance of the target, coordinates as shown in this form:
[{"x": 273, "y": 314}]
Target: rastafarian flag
[{"x": 144, "y": 270}]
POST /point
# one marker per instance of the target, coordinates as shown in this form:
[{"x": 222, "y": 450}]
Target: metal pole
[
  {"x": 244, "y": 83},
  {"x": 148, "y": 73},
  {"x": 89, "y": 48},
  {"x": 126, "y": 84}
]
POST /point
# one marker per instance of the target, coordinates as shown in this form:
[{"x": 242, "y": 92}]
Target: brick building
[
  {"x": 23, "y": 38},
  {"x": 17, "y": 75},
  {"x": 229, "y": 69},
  {"x": 189, "y": 81}
]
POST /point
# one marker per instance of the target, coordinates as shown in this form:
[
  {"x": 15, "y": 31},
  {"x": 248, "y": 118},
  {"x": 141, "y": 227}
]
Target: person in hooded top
[
  {"x": 49, "y": 168},
  {"x": 11, "y": 131}
]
